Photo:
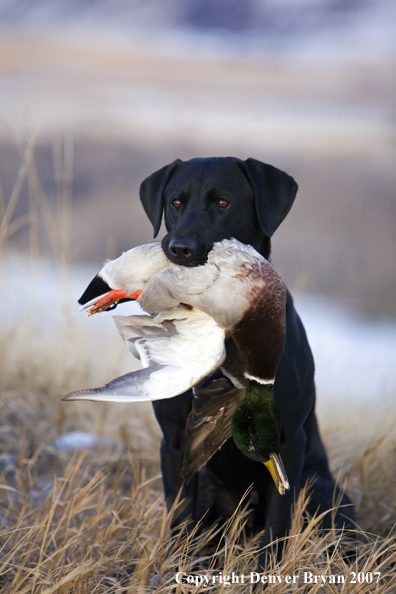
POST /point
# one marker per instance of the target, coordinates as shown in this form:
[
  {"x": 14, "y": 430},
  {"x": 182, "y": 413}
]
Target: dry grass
[{"x": 95, "y": 521}]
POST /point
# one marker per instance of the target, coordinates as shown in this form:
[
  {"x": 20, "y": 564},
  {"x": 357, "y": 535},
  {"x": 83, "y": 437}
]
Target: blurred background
[{"x": 96, "y": 95}]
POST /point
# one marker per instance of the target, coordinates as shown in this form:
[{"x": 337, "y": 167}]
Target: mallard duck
[{"x": 236, "y": 294}]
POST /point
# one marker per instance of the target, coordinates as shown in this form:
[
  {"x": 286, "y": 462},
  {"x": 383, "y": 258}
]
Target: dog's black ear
[
  {"x": 151, "y": 194},
  {"x": 275, "y": 192}
]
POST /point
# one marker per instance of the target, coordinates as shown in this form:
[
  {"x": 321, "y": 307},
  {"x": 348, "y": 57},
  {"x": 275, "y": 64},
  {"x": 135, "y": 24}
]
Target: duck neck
[
  {"x": 259, "y": 393},
  {"x": 260, "y": 340},
  {"x": 261, "y": 332}
]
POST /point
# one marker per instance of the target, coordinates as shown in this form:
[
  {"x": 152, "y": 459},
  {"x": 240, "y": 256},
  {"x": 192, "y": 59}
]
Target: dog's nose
[{"x": 183, "y": 248}]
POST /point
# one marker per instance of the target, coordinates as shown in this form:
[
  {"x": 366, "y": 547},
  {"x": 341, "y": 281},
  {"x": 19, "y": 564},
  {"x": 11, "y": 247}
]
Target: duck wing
[
  {"x": 209, "y": 422},
  {"x": 146, "y": 338},
  {"x": 177, "y": 350},
  {"x": 136, "y": 386}
]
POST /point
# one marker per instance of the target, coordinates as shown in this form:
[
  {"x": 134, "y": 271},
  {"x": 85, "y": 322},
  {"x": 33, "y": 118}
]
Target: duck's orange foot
[{"x": 111, "y": 298}]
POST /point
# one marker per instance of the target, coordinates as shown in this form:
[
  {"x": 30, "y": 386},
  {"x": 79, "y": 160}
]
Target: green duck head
[{"x": 256, "y": 431}]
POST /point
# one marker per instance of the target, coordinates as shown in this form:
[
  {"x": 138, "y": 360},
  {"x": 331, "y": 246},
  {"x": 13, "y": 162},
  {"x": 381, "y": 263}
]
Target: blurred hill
[
  {"x": 268, "y": 22},
  {"x": 307, "y": 86}
]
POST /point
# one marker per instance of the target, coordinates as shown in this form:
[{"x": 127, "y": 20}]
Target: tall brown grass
[{"x": 95, "y": 521}]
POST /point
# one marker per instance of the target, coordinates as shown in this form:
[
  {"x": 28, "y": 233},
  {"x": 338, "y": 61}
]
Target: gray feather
[
  {"x": 209, "y": 423},
  {"x": 126, "y": 388}
]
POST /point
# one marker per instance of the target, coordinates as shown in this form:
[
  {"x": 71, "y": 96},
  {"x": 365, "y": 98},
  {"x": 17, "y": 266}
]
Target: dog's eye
[
  {"x": 176, "y": 203},
  {"x": 222, "y": 203}
]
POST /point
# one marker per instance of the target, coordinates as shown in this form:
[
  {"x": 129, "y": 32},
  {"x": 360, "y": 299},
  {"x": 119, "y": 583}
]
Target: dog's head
[{"x": 207, "y": 200}]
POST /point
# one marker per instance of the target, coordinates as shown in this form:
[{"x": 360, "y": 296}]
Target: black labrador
[{"x": 204, "y": 201}]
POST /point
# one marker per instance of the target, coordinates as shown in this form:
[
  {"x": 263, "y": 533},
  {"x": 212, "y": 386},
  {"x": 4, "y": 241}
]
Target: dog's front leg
[
  {"x": 279, "y": 513},
  {"x": 171, "y": 415}
]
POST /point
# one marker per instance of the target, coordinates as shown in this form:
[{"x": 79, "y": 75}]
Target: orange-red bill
[{"x": 111, "y": 298}]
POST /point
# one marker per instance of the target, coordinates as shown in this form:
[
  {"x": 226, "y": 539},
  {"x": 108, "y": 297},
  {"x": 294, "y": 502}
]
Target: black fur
[{"x": 259, "y": 196}]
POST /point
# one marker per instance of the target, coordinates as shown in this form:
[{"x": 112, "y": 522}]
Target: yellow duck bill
[{"x": 278, "y": 473}]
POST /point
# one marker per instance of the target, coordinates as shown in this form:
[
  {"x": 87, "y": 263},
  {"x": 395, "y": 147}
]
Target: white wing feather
[{"x": 179, "y": 351}]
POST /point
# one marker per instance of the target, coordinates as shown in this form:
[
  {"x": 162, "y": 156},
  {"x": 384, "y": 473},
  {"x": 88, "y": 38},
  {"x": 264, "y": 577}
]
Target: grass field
[{"x": 94, "y": 520}]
